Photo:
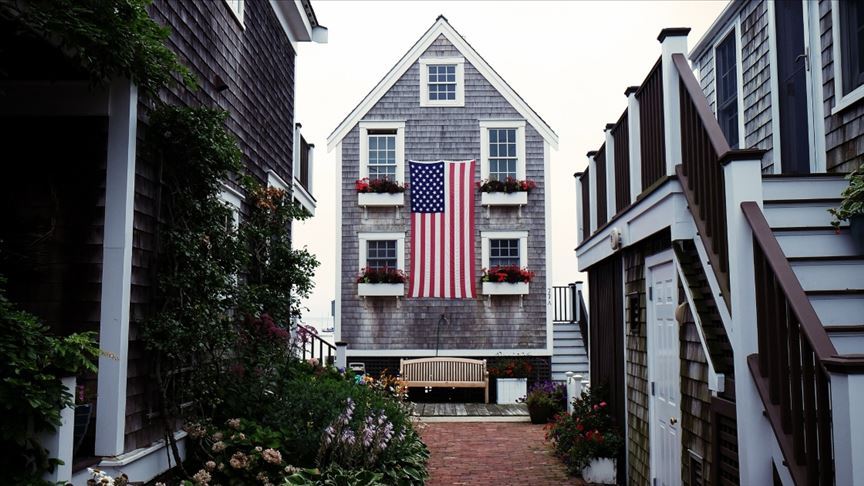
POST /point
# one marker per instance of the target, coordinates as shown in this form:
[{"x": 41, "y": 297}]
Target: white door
[{"x": 664, "y": 370}]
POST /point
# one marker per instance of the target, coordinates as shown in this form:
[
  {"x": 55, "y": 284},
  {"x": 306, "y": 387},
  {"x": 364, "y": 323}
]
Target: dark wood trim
[
  {"x": 673, "y": 32},
  {"x": 697, "y": 96},
  {"x": 841, "y": 329},
  {"x": 630, "y": 90},
  {"x": 656, "y": 66},
  {"x": 733, "y": 155}
]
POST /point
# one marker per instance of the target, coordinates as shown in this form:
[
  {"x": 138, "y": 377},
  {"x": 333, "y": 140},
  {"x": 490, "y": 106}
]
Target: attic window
[{"x": 442, "y": 82}]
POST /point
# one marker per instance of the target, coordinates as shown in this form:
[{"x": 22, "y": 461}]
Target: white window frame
[
  {"x": 841, "y": 101},
  {"x": 237, "y": 7},
  {"x": 459, "y": 62},
  {"x": 739, "y": 74},
  {"x": 485, "y": 245},
  {"x": 362, "y": 247},
  {"x": 399, "y": 126},
  {"x": 519, "y": 125},
  {"x": 233, "y": 198}
]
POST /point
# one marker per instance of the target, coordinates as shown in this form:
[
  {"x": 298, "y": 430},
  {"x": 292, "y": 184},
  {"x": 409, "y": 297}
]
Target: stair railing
[{"x": 796, "y": 356}]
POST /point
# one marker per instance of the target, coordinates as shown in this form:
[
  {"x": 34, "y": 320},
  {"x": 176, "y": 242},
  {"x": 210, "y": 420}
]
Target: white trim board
[
  {"x": 337, "y": 297},
  {"x": 353, "y": 353},
  {"x": 734, "y": 28},
  {"x": 399, "y": 126},
  {"x": 439, "y": 28},
  {"x": 841, "y": 101}
]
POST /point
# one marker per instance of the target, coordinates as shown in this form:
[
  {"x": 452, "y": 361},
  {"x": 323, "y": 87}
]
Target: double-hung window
[
  {"x": 725, "y": 54},
  {"x": 502, "y": 149},
  {"x": 442, "y": 81},
  {"x": 382, "y": 150},
  {"x": 381, "y": 254},
  {"x": 382, "y": 154},
  {"x": 502, "y": 154},
  {"x": 504, "y": 252},
  {"x": 848, "y": 38}
]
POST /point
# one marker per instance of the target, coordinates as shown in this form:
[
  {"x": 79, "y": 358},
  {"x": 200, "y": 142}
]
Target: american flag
[{"x": 442, "y": 229}]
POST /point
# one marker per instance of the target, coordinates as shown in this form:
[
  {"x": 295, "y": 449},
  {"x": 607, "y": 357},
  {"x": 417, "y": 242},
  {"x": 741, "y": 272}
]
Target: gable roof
[{"x": 439, "y": 28}]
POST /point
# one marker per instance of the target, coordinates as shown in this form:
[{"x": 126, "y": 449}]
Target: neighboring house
[
  {"x": 442, "y": 102},
  {"x": 726, "y": 315},
  {"x": 80, "y": 207}
]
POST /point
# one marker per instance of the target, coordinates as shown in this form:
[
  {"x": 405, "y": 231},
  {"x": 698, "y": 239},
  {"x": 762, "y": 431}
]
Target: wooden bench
[{"x": 445, "y": 373}]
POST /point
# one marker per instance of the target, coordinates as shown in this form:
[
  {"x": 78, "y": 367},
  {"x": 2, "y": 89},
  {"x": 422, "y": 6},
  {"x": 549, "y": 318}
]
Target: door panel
[
  {"x": 792, "y": 79},
  {"x": 665, "y": 372}
]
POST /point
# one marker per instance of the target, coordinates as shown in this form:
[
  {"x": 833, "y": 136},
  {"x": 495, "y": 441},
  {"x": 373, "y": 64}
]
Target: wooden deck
[{"x": 516, "y": 411}]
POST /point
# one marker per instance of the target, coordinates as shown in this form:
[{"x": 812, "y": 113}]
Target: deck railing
[
  {"x": 621, "y": 137},
  {"x": 600, "y": 177},
  {"x": 304, "y": 165},
  {"x": 651, "y": 126},
  {"x": 309, "y": 342},
  {"x": 791, "y": 369},
  {"x": 586, "y": 204}
]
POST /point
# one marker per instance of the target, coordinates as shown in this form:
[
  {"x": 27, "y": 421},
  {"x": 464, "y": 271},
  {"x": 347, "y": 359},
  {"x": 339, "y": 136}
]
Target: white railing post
[
  {"x": 60, "y": 443},
  {"x": 635, "y": 142},
  {"x": 579, "y": 220},
  {"x": 610, "y": 172},
  {"x": 341, "y": 354},
  {"x": 847, "y": 401},
  {"x": 592, "y": 192},
  {"x": 742, "y": 172},
  {"x": 574, "y": 389},
  {"x": 673, "y": 41}
]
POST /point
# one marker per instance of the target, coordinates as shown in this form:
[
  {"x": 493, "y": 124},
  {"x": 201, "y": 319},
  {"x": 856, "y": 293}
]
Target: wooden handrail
[
  {"x": 789, "y": 283},
  {"x": 712, "y": 127}
]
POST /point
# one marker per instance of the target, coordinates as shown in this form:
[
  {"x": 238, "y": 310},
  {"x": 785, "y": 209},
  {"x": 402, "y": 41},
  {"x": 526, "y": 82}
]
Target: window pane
[
  {"x": 381, "y": 254},
  {"x": 504, "y": 252},
  {"x": 727, "y": 89}
]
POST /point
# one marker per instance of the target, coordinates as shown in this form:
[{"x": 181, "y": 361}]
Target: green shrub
[
  {"x": 31, "y": 393},
  {"x": 853, "y": 198}
]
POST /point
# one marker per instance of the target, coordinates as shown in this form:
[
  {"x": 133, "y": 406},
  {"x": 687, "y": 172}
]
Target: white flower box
[
  {"x": 505, "y": 288},
  {"x": 380, "y": 289},
  {"x": 519, "y": 198},
  {"x": 510, "y": 389},
  {"x": 372, "y": 199},
  {"x": 601, "y": 470}
]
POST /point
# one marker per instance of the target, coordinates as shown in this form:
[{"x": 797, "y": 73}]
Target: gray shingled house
[{"x": 442, "y": 101}]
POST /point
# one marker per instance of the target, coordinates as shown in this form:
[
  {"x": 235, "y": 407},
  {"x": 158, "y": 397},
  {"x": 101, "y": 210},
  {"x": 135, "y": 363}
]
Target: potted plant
[
  {"x": 545, "y": 400},
  {"x": 509, "y": 192},
  {"x": 379, "y": 192},
  {"x": 511, "y": 378},
  {"x": 852, "y": 207},
  {"x": 507, "y": 280},
  {"x": 381, "y": 282},
  {"x": 586, "y": 440}
]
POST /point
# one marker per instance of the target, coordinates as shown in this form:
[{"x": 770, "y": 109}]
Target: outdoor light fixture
[{"x": 633, "y": 312}]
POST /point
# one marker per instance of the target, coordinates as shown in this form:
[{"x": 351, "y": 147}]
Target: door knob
[{"x": 673, "y": 421}]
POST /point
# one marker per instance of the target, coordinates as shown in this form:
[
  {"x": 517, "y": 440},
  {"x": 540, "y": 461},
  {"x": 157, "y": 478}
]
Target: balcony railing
[
  {"x": 303, "y": 170},
  {"x": 651, "y": 126},
  {"x": 621, "y": 137},
  {"x": 304, "y": 173}
]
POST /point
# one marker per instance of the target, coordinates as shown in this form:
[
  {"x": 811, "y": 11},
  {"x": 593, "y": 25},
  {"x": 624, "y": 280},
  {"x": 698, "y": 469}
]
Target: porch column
[
  {"x": 610, "y": 172},
  {"x": 635, "y": 139},
  {"x": 742, "y": 171},
  {"x": 673, "y": 41},
  {"x": 592, "y": 192},
  {"x": 579, "y": 222},
  {"x": 116, "y": 268},
  {"x": 60, "y": 443},
  {"x": 847, "y": 400}
]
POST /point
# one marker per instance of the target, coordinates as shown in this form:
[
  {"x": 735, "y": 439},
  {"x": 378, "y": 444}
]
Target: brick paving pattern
[{"x": 491, "y": 453}]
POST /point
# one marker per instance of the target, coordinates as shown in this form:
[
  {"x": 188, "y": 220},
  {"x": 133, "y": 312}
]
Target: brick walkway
[{"x": 491, "y": 453}]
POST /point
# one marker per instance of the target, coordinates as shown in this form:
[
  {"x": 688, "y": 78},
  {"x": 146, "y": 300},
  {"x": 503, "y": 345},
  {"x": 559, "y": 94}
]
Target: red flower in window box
[
  {"x": 379, "y": 186},
  {"x": 381, "y": 275},
  {"x": 508, "y": 185},
  {"x": 507, "y": 274}
]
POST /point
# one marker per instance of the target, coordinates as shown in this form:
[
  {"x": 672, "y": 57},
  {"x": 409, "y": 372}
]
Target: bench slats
[{"x": 445, "y": 372}]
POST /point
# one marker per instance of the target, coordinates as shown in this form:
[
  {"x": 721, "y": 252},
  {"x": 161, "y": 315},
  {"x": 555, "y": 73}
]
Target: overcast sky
[{"x": 570, "y": 61}]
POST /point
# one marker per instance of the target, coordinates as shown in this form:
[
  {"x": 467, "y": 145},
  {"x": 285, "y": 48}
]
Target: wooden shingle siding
[
  {"x": 756, "y": 76},
  {"x": 844, "y": 132},
  {"x": 257, "y": 63},
  {"x": 638, "y": 389},
  {"x": 695, "y": 400},
  {"x": 434, "y": 133}
]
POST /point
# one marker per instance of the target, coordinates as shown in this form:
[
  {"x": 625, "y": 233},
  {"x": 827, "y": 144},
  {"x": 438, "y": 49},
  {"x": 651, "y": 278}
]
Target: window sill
[
  {"x": 371, "y": 199},
  {"x": 847, "y": 100},
  {"x": 503, "y": 288},
  {"x": 380, "y": 289},
  {"x": 519, "y": 198}
]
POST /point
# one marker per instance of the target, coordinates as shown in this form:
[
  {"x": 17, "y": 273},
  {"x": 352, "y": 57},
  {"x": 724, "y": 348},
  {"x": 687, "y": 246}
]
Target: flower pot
[
  {"x": 601, "y": 470},
  {"x": 856, "y": 228},
  {"x": 504, "y": 288},
  {"x": 540, "y": 414},
  {"x": 83, "y": 413},
  {"x": 380, "y": 289},
  {"x": 510, "y": 390},
  {"x": 373, "y": 199},
  {"x": 519, "y": 198}
]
